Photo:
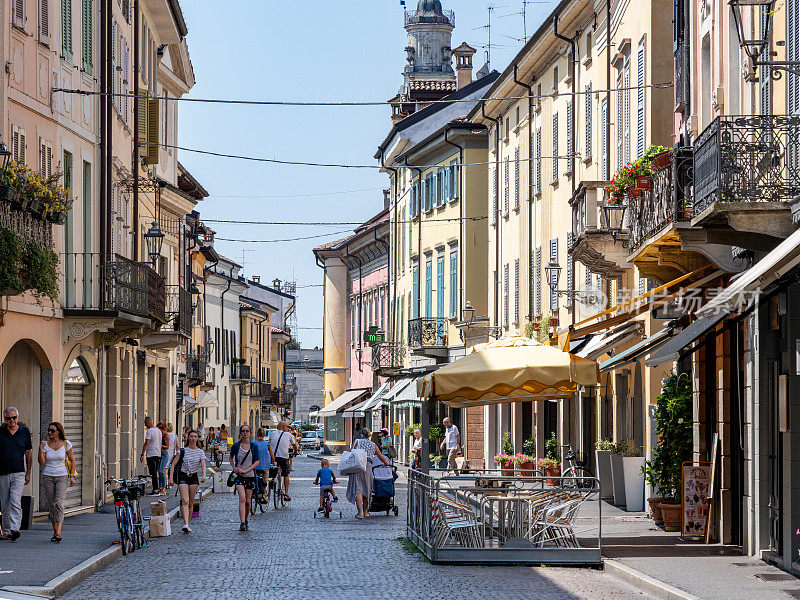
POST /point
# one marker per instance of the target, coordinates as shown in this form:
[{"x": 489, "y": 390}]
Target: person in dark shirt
[{"x": 16, "y": 458}]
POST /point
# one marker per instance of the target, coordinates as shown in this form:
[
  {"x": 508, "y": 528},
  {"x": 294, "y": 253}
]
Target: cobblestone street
[{"x": 290, "y": 554}]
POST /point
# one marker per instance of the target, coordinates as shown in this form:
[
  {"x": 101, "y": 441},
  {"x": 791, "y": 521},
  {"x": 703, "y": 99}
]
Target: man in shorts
[{"x": 279, "y": 443}]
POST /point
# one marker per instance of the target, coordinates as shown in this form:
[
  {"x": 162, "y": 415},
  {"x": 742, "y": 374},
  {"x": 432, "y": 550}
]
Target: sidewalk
[
  {"x": 661, "y": 564},
  {"x": 90, "y": 541}
]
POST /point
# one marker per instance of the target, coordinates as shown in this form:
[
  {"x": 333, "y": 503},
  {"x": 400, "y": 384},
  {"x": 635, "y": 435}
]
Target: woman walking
[
  {"x": 162, "y": 466},
  {"x": 52, "y": 455},
  {"x": 416, "y": 449},
  {"x": 187, "y": 464},
  {"x": 359, "y": 485},
  {"x": 244, "y": 460}
]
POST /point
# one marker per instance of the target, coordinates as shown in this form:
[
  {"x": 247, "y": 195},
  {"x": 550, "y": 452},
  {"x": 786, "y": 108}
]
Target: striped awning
[{"x": 342, "y": 402}]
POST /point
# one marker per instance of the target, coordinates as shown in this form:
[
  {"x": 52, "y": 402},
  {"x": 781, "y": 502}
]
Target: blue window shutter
[
  {"x": 505, "y": 295},
  {"x": 440, "y": 286},
  {"x": 453, "y": 282},
  {"x": 516, "y": 179},
  {"x": 516, "y": 291},
  {"x": 640, "y": 98},
  {"x": 415, "y": 286},
  {"x": 554, "y": 158}
]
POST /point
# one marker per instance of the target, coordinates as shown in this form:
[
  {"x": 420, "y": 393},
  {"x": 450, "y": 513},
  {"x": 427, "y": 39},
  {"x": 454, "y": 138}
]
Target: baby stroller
[{"x": 382, "y": 498}]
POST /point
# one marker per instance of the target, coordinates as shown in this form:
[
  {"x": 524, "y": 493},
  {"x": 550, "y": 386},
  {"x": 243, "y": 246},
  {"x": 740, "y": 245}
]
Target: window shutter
[
  {"x": 793, "y": 80},
  {"x": 552, "y": 283},
  {"x": 538, "y": 281},
  {"x": 554, "y": 158},
  {"x": 153, "y": 138},
  {"x": 588, "y": 99},
  {"x": 494, "y": 194},
  {"x": 114, "y": 61},
  {"x": 505, "y": 295},
  {"x": 516, "y": 179},
  {"x": 539, "y": 160},
  {"x": 440, "y": 286},
  {"x": 641, "y": 286},
  {"x": 626, "y": 140},
  {"x": 87, "y": 39},
  {"x": 640, "y": 96},
  {"x": 66, "y": 29},
  {"x": 516, "y": 291},
  {"x": 507, "y": 185},
  {"x": 445, "y": 175},
  {"x": 620, "y": 120},
  {"x": 587, "y": 280},
  {"x": 142, "y": 121},
  {"x": 570, "y": 269},
  {"x": 19, "y": 13},
  {"x": 570, "y": 140},
  {"x": 44, "y": 21},
  {"x": 42, "y": 158},
  {"x": 453, "y": 282},
  {"x": 604, "y": 139}
]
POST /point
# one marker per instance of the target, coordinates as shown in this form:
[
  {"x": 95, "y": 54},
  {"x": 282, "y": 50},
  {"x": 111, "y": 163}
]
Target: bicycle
[
  {"x": 261, "y": 494},
  {"x": 216, "y": 456},
  {"x": 327, "y": 505},
  {"x": 278, "y": 496},
  {"x": 575, "y": 476},
  {"x": 129, "y": 512}
]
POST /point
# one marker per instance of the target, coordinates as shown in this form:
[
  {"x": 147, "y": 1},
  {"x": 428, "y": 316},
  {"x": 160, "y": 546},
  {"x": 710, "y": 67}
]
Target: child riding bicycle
[{"x": 325, "y": 480}]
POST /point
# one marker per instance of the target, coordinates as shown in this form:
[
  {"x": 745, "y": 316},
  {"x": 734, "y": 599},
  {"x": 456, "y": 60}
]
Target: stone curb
[
  {"x": 68, "y": 580},
  {"x": 645, "y": 583}
]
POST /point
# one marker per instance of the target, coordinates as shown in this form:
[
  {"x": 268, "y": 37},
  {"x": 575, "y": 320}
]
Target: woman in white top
[
  {"x": 187, "y": 463},
  {"x": 416, "y": 450},
  {"x": 359, "y": 485},
  {"x": 52, "y": 457}
]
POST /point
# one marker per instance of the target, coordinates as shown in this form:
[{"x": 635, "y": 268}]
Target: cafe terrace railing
[
  {"x": 753, "y": 158},
  {"x": 484, "y": 516}
]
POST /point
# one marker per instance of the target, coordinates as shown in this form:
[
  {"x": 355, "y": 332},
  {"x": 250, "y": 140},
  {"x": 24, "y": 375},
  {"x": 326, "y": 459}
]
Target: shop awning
[
  {"x": 206, "y": 400},
  {"x": 398, "y": 387},
  {"x": 342, "y": 402},
  {"x": 357, "y": 410},
  {"x": 189, "y": 401},
  {"x": 753, "y": 281},
  {"x": 377, "y": 399},
  {"x": 670, "y": 351},
  {"x": 508, "y": 370},
  {"x": 407, "y": 398},
  {"x": 603, "y": 344},
  {"x": 633, "y": 353}
]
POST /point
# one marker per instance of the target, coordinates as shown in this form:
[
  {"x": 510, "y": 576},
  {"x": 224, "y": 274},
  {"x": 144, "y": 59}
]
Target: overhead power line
[
  {"x": 356, "y": 103},
  {"x": 295, "y": 239},
  {"x": 279, "y": 196},
  {"x": 327, "y": 223}
]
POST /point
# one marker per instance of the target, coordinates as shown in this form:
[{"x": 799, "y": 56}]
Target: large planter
[
  {"x": 661, "y": 160},
  {"x": 7, "y": 193},
  {"x": 37, "y": 208},
  {"x": 655, "y": 509},
  {"x": 644, "y": 182},
  {"x": 57, "y": 218},
  {"x": 526, "y": 469},
  {"x": 617, "y": 479},
  {"x": 552, "y": 473},
  {"x": 672, "y": 515},
  {"x": 603, "y": 460},
  {"x": 507, "y": 468},
  {"x": 634, "y": 483}
]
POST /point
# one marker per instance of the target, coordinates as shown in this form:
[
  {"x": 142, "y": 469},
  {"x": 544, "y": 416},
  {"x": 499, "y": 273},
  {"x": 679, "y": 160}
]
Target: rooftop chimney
[
  {"x": 256, "y": 278},
  {"x": 464, "y": 54}
]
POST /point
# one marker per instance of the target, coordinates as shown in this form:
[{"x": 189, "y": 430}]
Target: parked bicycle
[
  {"x": 575, "y": 476},
  {"x": 129, "y": 511}
]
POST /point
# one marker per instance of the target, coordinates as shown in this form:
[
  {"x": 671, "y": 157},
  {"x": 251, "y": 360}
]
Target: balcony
[
  {"x": 240, "y": 373},
  {"x": 259, "y": 390},
  {"x": 747, "y": 173},
  {"x": 128, "y": 293},
  {"x": 177, "y": 328},
  {"x": 428, "y": 336},
  {"x": 197, "y": 371},
  {"x": 593, "y": 245},
  {"x": 387, "y": 358},
  {"x": 417, "y": 16}
]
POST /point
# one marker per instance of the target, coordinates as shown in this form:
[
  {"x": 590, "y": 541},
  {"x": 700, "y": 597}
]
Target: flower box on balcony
[
  {"x": 634, "y": 192},
  {"x": 644, "y": 182},
  {"x": 7, "y": 193},
  {"x": 661, "y": 160},
  {"x": 57, "y": 217},
  {"x": 37, "y": 208}
]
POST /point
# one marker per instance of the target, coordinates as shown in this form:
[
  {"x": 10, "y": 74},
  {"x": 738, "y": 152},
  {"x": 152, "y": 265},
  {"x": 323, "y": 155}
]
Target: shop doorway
[
  {"x": 75, "y": 384},
  {"x": 775, "y": 470}
]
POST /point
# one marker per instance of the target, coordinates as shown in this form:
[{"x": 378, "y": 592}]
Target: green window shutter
[
  {"x": 66, "y": 29},
  {"x": 87, "y": 36}
]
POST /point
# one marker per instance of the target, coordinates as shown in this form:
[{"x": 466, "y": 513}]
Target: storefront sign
[
  {"x": 396, "y": 428},
  {"x": 374, "y": 336},
  {"x": 696, "y": 501}
]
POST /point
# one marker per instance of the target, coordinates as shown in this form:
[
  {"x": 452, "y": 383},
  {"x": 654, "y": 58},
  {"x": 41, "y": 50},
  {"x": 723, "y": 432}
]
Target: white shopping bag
[{"x": 354, "y": 461}]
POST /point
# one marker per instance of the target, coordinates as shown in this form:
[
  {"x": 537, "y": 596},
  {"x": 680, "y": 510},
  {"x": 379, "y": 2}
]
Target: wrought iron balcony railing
[
  {"x": 196, "y": 369},
  {"x": 240, "y": 372},
  {"x": 118, "y": 285},
  {"x": 415, "y": 16},
  {"x": 179, "y": 309},
  {"x": 387, "y": 356},
  {"x": 667, "y": 201},
  {"x": 753, "y": 158},
  {"x": 429, "y": 332},
  {"x": 260, "y": 390}
]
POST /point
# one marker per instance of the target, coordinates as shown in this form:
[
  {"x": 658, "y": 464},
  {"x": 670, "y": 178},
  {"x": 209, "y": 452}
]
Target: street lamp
[
  {"x": 756, "y": 46},
  {"x": 553, "y": 273},
  {"x": 154, "y": 238},
  {"x": 613, "y": 218},
  {"x": 5, "y": 158},
  {"x": 468, "y": 313},
  {"x": 194, "y": 290}
]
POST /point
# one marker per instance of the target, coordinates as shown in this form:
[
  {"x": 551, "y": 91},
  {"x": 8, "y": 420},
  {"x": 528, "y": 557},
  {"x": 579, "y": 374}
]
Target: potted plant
[
  {"x": 603, "y": 450},
  {"x": 674, "y": 447},
  {"x": 551, "y": 468},
  {"x": 651, "y": 478},
  {"x": 617, "y": 477},
  {"x": 10, "y": 251},
  {"x": 660, "y": 158},
  {"x": 526, "y": 463},
  {"x": 506, "y": 462},
  {"x": 633, "y": 476}
]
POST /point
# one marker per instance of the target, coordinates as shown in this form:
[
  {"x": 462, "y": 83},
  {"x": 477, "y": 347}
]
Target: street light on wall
[
  {"x": 5, "y": 158},
  {"x": 755, "y": 45},
  {"x": 553, "y": 274},
  {"x": 613, "y": 219},
  {"x": 154, "y": 238}
]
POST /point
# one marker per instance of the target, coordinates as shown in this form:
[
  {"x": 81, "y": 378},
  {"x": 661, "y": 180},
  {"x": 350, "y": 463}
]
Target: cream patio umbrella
[{"x": 510, "y": 369}]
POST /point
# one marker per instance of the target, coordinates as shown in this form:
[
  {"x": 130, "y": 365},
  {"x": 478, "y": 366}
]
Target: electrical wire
[
  {"x": 331, "y": 223},
  {"x": 296, "y": 239},
  {"x": 354, "y": 103},
  {"x": 280, "y": 196}
]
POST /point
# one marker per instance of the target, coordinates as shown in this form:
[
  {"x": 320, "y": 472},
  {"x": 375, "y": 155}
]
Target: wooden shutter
[
  {"x": 87, "y": 36},
  {"x": 554, "y": 158},
  {"x": 44, "y": 21},
  {"x": 505, "y": 295},
  {"x": 45, "y": 158},
  {"x": 640, "y": 97},
  {"x": 626, "y": 140},
  {"x": 570, "y": 269},
  {"x": 539, "y": 281},
  {"x": 494, "y": 193},
  {"x": 19, "y": 13},
  {"x": 552, "y": 283},
  {"x": 506, "y": 185},
  {"x": 516, "y": 179},
  {"x": 570, "y": 139},
  {"x": 793, "y": 84},
  {"x": 620, "y": 119},
  {"x": 114, "y": 78},
  {"x": 142, "y": 122},
  {"x": 66, "y": 29},
  {"x": 516, "y": 291},
  {"x": 153, "y": 139},
  {"x": 126, "y": 85},
  {"x": 18, "y": 145},
  {"x": 539, "y": 160},
  {"x": 604, "y": 139},
  {"x": 587, "y": 279},
  {"x": 588, "y": 100}
]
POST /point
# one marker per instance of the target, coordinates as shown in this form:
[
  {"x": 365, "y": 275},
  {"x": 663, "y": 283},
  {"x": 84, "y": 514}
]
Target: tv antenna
[
  {"x": 244, "y": 251},
  {"x": 524, "y": 13},
  {"x": 488, "y": 27}
]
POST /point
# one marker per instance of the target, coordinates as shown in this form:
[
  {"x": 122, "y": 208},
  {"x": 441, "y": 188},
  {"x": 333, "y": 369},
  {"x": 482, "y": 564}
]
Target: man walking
[
  {"x": 16, "y": 458},
  {"x": 152, "y": 450},
  {"x": 452, "y": 440},
  {"x": 279, "y": 443}
]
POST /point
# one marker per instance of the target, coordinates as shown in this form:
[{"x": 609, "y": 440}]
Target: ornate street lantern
[
  {"x": 553, "y": 273},
  {"x": 613, "y": 218},
  {"x": 194, "y": 290},
  {"x": 468, "y": 313},
  {"x": 5, "y": 158},
  {"x": 753, "y": 46},
  {"x": 154, "y": 238}
]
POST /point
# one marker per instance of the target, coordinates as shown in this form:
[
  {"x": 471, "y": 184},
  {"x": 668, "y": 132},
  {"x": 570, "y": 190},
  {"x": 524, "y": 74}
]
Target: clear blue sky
[{"x": 313, "y": 50}]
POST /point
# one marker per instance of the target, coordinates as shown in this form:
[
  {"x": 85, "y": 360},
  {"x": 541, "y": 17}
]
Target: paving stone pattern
[{"x": 289, "y": 554}]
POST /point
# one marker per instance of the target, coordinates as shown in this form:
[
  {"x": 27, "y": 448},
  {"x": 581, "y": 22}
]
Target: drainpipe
[
  {"x": 395, "y": 258},
  {"x": 104, "y": 147},
  {"x": 460, "y": 214},
  {"x": 496, "y": 193},
  {"x": 530, "y": 185},
  {"x": 419, "y": 239},
  {"x": 571, "y": 42},
  {"x": 135, "y": 157},
  {"x": 608, "y": 86},
  {"x": 360, "y": 298}
]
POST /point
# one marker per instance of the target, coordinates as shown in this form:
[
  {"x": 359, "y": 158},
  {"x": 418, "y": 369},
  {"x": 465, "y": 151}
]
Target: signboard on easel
[{"x": 695, "y": 502}]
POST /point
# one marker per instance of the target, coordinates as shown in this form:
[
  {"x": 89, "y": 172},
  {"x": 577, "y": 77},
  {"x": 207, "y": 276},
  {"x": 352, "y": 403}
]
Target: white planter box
[
  {"x": 603, "y": 460},
  {"x": 617, "y": 480},
  {"x": 634, "y": 483}
]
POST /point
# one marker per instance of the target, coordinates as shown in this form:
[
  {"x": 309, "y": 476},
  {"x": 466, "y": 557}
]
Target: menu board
[{"x": 697, "y": 482}]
